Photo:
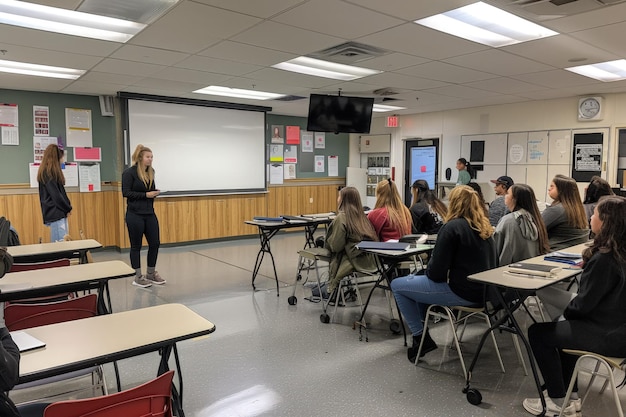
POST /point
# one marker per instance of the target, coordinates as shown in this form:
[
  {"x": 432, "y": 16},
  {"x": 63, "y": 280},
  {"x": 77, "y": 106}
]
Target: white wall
[{"x": 450, "y": 125}]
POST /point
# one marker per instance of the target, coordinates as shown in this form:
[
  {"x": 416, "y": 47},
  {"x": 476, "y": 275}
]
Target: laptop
[{"x": 25, "y": 341}]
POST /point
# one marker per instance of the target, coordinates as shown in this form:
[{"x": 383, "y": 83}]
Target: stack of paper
[{"x": 565, "y": 257}]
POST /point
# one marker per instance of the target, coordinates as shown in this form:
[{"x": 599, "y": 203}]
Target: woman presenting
[{"x": 139, "y": 189}]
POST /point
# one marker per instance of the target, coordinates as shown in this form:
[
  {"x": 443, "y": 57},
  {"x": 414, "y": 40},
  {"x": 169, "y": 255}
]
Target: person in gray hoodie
[{"x": 521, "y": 234}]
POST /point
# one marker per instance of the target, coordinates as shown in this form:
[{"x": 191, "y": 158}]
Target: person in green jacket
[
  {"x": 350, "y": 227},
  {"x": 465, "y": 171}
]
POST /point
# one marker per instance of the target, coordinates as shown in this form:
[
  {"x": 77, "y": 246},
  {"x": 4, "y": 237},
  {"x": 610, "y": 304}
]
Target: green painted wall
[{"x": 14, "y": 160}]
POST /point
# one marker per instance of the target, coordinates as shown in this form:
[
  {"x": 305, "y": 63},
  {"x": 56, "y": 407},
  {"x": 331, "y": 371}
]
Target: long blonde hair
[
  {"x": 465, "y": 204},
  {"x": 357, "y": 223},
  {"x": 50, "y": 168},
  {"x": 399, "y": 215},
  {"x": 146, "y": 174}
]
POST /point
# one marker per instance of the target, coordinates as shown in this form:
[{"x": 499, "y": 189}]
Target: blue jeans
[
  {"x": 58, "y": 229},
  {"x": 414, "y": 293}
]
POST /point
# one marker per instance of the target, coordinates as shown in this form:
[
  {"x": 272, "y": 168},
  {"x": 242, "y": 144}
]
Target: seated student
[
  {"x": 565, "y": 219},
  {"x": 464, "y": 246},
  {"x": 427, "y": 210},
  {"x": 348, "y": 229},
  {"x": 476, "y": 187},
  {"x": 497, "y": 208},
  {"x": 597, "y": 188},
  {"x": 391, "y": 218},
  {"x": 595, "y": 319},
  {"x": 521, "y": 234}
]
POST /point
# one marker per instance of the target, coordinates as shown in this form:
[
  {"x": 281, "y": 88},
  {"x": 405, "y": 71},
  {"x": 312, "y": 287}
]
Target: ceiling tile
[
  {"x": 336, "y": 18},
  {"x": 241, "y": 52},
  {"x": 119, "y": 66},
  {"x": 148, "y": 55},
  {"x": 286, "y": 38},
  {"x": 392, "y": 62},
  {"x": 263, "y": 9},
  {"x": 95, "y": 77},
  {"x": 414, "y": 39},
  {"x": 442, "y": 71},
  {"x": 181, "y": 74},
  {"x": 219, "y": 66},
  {"x": 91, "y": 88},
  {"x": 461, "y": 91},
  {"x": 290, "y": 78},
  {"x": 168, "y": 85},
  {"x": 504, "y": 85},
  {"x": 411, "y": 10},
  {"x": 555, "y": 79},
  {"x": 608, "y": 37},
  {"x": 192, "y": 27},
  {"x": 392, "y": 79},
  {"x": 498, "y": 62},
  {"x": 45, "y": 57},
  {"x": 595, "y": 18}
]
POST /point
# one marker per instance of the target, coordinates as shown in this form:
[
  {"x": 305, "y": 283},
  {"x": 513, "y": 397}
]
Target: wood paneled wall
[{"x": 182, "y": 219}]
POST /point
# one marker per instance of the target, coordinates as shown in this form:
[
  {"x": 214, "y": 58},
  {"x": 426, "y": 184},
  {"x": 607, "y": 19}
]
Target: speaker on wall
[{"x": 107, "y": 104}]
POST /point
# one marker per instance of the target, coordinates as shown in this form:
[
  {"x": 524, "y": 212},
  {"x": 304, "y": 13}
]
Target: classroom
[{"x": 516, "y": 109}]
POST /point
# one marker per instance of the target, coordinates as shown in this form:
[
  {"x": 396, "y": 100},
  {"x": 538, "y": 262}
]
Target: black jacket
[
  {"x": 9, "y": 361},
  {"x": 460, "y": 252},
  {"x": 55, "y": 205},
  {"x": 135, "y": 191}
]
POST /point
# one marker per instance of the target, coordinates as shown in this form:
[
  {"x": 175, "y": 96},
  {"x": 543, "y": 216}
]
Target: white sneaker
[
  {"x": 142, "y": 282},
  {"x": 534, "y": 407},
  {"x": 578, "y": 406}
]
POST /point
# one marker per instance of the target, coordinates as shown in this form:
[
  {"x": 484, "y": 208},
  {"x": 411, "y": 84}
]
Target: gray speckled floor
[{"x": 267, "y": 358}]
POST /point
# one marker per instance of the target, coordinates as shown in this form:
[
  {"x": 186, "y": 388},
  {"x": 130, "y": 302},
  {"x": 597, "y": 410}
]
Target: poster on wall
[
  {"x": 307, "y": 141},
  {"x": 293, "y": 135},
  {"x": 41, "y": 120},
  {"x": 587, "y": 156},
  {"x": 40, "y": 143},
  {"x": 291, "y": 154},
  {"x": 319, "y": 163},
  {"x": 320, "y": 140},
  {"x": 78, "y": 128},
  {"x": 89, "y": 175},
  {"x": 278, "y": 134},
  {"x": 9, "y": 124}
]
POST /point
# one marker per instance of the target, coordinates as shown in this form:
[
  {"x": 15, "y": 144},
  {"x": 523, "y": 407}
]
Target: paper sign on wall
[
  {"x": 70, "y": 172},
  {"x": 89, "y": 178},
  {"x": 87, "y": 154},
  {"x": 78, "y": 127},
  {"x": 293, "y": 135}
]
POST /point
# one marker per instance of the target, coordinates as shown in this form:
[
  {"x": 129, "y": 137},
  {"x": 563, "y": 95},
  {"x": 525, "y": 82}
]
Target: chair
[
  {"x": 20, "y": 267},
  {"x": 313, "y": 256},
  {"x": 151, "y": 399},
  {"x": 19, "y": 316},
  {"x": 608, "y": 363}
]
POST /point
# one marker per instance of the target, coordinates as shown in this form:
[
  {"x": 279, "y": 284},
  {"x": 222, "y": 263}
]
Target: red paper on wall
[{"x": 293, "y": 135}]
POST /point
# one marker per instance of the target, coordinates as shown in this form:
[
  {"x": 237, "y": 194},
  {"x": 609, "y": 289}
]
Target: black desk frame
[{"x": 267, "y": 230}]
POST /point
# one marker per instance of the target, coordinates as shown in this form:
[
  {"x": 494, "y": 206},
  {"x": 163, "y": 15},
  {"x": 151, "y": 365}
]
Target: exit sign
[{"x": 392, "y": 121}]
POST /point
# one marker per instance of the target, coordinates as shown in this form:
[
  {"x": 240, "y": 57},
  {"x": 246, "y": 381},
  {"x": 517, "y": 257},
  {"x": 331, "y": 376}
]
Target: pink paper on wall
[
  {"x": 87, "y": 155},
  {"x": 293, "y": 135}
]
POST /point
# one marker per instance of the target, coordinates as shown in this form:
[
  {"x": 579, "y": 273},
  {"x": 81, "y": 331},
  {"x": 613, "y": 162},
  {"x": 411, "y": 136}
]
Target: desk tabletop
[
  {"x": 419, "y": 248},
  {"x": 287, "y": 223},
  {"x": 497, "y": 276},
  {"x": 96, "y": 340},
  {"x": 17, "y": 282},
  {"x": 55, "y": 247}
]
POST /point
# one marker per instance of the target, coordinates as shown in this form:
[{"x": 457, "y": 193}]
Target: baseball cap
[{"x": 504, "y": 180}]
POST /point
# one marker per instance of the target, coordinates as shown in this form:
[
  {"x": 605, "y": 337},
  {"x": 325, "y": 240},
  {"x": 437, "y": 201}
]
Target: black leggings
[
  {"x": 547, "y": 340},
  {"x": 138, "y": 226}
]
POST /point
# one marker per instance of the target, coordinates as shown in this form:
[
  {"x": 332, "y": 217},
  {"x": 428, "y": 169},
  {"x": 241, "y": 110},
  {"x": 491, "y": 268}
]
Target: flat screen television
[{"x": 339, "y": 114}]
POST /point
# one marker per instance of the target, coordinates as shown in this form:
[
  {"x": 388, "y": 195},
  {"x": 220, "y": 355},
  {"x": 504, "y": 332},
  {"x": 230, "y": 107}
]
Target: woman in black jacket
[
  {"x": 55, "y": 205},
  {"x": 595, "y": 319},
  {"x": 140, "y": 191}
]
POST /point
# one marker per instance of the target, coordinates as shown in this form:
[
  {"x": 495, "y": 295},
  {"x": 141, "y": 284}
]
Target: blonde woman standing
[
  {"x": 391, "y": 218},
  {"x": 140, "y": 191}
]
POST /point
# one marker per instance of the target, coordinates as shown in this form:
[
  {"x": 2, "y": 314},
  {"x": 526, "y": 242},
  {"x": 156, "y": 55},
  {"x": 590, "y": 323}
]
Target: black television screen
[{"x": 339, "y": 114}]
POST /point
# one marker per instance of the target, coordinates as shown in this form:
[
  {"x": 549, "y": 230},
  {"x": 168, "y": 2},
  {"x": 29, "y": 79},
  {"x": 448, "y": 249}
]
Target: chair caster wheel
[
  {"x": 293, "y": 300},
  {"x": 474, "y": 396},
  {"x": 325, "y": 318},
  {"x": 394, "y": 326}
]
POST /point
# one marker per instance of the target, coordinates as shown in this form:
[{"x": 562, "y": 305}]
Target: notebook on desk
[
  {"x": 384, "y": 245},
  {"x": 25, "y": 341},
  {"x": 525, "y": 268}
]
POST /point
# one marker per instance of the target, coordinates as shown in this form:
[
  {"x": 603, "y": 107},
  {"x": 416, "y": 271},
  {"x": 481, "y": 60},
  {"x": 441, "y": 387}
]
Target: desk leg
[
  {"x": 104, "y": 298},
  {"x": 309, "y": 242},
  {"x": 82, "y": 256},
  {"x": 473, "y": 395},
  {"x": 177, "y": 394},
  {"x": 265, "y": 236}
]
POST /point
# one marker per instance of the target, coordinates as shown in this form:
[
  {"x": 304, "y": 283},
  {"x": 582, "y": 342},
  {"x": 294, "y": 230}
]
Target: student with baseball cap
[{"x": 497, "y": 208}]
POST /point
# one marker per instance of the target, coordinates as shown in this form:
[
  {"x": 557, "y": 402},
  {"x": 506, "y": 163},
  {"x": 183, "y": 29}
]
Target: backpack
[{"x": 8, "y": 236}]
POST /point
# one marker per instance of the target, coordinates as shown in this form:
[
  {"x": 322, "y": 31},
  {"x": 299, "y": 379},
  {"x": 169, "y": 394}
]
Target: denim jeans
[
  {"x": 414, "y": 293},
  {"x": 58, "y": 229}
]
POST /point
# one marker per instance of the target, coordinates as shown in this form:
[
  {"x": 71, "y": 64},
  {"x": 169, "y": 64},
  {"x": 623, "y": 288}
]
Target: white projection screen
[{"x": 200, "y": 150}]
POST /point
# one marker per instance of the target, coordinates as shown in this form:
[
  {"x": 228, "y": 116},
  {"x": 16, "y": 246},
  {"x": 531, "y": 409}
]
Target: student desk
[
  {"x": 56, "y": 250},
  {"x": 502, "y": 282},
  {"x": 386, "y": 262},
  {"x": 45, "y": 282},
  {"x": 79, "y": 344},
  {"x": 268, "y": 229}
]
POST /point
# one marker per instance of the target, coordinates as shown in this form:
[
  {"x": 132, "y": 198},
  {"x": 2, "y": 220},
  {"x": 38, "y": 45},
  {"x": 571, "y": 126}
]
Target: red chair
[
  {"x": 19, "y": 316},
  {"x": 19, "y": 267},
  {"x": 151, "y": 399}
]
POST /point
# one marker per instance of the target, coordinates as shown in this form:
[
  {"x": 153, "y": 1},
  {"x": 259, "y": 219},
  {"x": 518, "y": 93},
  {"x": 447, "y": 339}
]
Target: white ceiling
[{"x": 234, "y": 43}]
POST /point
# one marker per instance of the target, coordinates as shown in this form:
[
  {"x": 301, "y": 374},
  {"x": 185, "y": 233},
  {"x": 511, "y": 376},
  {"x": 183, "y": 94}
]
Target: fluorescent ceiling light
[
  {"x": 604, "y": 71},
  {"x": 69, "y": 22},
  {"x": 216, "y": 90},
  {"x": 39, "y": 70},
  {"x": 325, "y": 69},
  {"x": 381, "y": 108},
  {"x": 483, "y": 23}
]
